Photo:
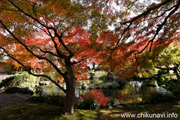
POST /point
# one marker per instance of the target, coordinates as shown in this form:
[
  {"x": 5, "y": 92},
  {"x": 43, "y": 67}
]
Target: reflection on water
[{"x": 134, "y": 91}]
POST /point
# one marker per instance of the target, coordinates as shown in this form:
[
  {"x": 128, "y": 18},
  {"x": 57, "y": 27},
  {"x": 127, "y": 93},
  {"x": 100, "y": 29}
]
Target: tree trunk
[
  {"x": 70, "y": 81},
  {"x": 68, "y": 108}
]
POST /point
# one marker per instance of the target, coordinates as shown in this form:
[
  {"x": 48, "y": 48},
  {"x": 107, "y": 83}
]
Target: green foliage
[
  {"x": 91, "y": 75},
  {"x": 21, "y": 80},
  {"x": 112, "y": 103},
  {"x": 49, "y": 99},
  {"x": 160, "y": 97},
  {"x": 86, "y": 104},
  {"x": 177, "y": 94},
  {"x": 12, "y": 81},
  {"x": 110, "y": 86},
  {"x": 83, "y": 86},
  {"x": 172, "y": 85},
  {"x": 110, "y": 92},
  {"x": 1, "y": 57},
  {"x": 161, "y": 61},
  {"x": 98, "y": 87},
  {"x": 13, "y": 90},
  {"x": 38, "y": 91}
]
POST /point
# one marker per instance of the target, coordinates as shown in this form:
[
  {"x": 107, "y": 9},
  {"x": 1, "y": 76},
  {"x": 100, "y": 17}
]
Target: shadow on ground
[{"x": 29, "y": 111}]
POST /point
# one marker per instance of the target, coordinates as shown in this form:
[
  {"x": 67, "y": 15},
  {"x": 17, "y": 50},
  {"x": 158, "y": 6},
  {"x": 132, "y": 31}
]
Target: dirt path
[{"x": 12, "y": 99}]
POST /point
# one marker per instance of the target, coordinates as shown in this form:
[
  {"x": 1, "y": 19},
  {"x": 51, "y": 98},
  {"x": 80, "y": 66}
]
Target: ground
[
  {"x": 12, "y": 99},
  {"x": 30, "y": 111}
]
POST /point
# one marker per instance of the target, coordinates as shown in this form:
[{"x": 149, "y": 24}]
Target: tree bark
[
  {"x": 70, "y": 81},
  {"x": 68, "y": 108}
]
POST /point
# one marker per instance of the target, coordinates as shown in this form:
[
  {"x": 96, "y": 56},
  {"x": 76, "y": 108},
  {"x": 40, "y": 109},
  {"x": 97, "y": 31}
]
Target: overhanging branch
[
  {"x": 46, "y": 26},
  {"x": 29, "y": 71},
  {"x": 25, "y": 46},
  {"x": 130, "y": 22}
]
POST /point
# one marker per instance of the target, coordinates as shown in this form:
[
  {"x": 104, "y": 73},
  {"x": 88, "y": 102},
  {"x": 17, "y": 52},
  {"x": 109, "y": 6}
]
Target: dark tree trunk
[
  {"x": 68, "y": 108},
  {"x": 70, "y": 81}
]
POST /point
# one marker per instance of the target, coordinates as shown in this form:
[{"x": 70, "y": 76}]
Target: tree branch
[
  {"x": 35, "y": 19},
  {"x": 29, "y": 71},
  {"x": 46, "y": 26},
  {"x": 164, "y": 68},
  {"x": 71, "y": 54},
  {"x": 25, "y": 46},
  {"x": 73, "y": 63},
  {"x": 137, "y": 17},
  {"x": 160, "y": 26}
]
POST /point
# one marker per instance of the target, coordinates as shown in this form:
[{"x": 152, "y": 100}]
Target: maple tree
[
  {"x": 148, "y": 26},
  {"x": 53, "y": 36},
  {"x": 60, "y": 35}
]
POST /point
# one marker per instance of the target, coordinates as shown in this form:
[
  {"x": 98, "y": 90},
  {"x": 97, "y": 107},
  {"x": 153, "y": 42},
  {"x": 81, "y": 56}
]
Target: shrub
[
  {"x": 11, "y": 81},
  {"x": 160, "y": 97},
  {"x": 38, "y": 90},
  {"x": 21, "y": 80},
  {"x": 83, "y": 86},
  {"x": 18, "y": 79},
  {"x": 85, "y": 104},
  {"x": 12, "y": 90},
  {"x": 173, "y": 85},
  {"x": 91, "y": 75},
  {"x": 98, "y": 87},
  {"x": 49, "y": 99},
  {"x": 112, "y": 103},
  {"x": 110, "y": 87},
  {"x": 176, "y": 93},
  {"x": 93, "y": 100}
]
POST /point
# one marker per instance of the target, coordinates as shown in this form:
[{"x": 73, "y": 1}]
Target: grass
[{"x": 29, "y": 111}]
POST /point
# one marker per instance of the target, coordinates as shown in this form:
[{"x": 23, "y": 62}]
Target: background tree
[{"x": 163, "y": 65}]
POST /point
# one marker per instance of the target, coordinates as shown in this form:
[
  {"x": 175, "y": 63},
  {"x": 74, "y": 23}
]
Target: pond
[{"x": 132, "y": 92}]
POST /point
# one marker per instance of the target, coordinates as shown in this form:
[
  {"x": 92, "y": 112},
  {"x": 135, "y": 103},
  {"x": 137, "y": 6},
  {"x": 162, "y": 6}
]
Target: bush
[
  {"x": 38, "y": 90},
  {"x": 86, "y": 104},
  {"x": 93, "y": 100},
  {"x": 110, "y": 86},
  {"x": 83, "y": 86},
  {"x": 13, "y": 90},
  {"x": 49, "y": 99},
  {"x": 98, "y": 87},
  {"x": 173, "y": 85},
  {"x": 176, "y": 93},
  {"x": 112, "y": 103},
  {"x": 21, "y": 80},
  {"x": 91, "y": 75},
  {"x": 160, "y": 97},
  {"x": 12, "y": 81}
]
